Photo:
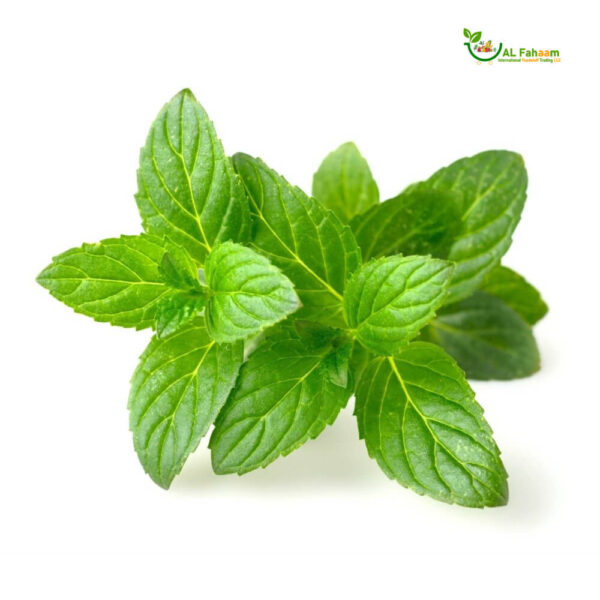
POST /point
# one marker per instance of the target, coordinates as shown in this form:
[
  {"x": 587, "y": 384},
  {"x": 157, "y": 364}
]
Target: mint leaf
[
  {"x": 493, "y": 186},
  {"x": 284, "y": 396},
  {"x": 487, "y": 338},
  {"x": 116, "y": 280},
  {"x": 304, "y": 239},
  {"x": 390, "y": 299},
  {"x": 313, "y": 333},
  {"x": 247, "y": 293},
  {"x": 269, "y": 341},
  {"x": 177, "y": 390},
  {"x": 344, "y": 184},
  {"x": 337, "y": 365},
  {"x": 359, "y": 359},
  {"x": 414, "y": 222},
  {"x": 514, "y": 290},
  {"x": 467, "y": 33},
  {"x": 178, "y": 269},
  {"x": 174, "y": 311},
  {"x": 476, "y": 37},
  {"x": 419, "y": 420},
  {"x": 187, "y": 189}
]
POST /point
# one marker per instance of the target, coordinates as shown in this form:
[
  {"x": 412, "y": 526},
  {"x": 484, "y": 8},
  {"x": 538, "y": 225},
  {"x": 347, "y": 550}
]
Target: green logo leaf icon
[
  {"x": 476, "y": 37},
  {"x": 467, "y": 33}
]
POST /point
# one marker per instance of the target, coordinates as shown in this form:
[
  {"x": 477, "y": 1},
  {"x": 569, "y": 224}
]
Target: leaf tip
[
  {"x": 499, "y": 498},
  {"x": 42, "y": 279},
  {"x": 218, "y": 467},
  {"x": 186, "y": 93},
  {"x": 349, "y": 146},
  {"x": 163, "y": 482},
  {"x": 241, "y": 158}
]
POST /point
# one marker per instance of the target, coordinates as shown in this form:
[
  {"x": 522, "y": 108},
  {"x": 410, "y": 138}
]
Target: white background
[{"x": 289, "y": 81}]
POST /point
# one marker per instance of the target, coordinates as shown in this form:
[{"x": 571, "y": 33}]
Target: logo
[
  {"x": 487, "y": 51},
  {"x": 483, "y": 51}
]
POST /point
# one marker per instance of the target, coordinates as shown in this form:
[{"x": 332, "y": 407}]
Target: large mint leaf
[
  {"x": 493, "y": 185},
  {"x": 390, "y": 299},
  {"x": 187, "y": 188},
  {"x": 115, "y": 280},
  {"x": 344, "y": 183},
  {"x": 414, "y": 222},
  {"x": 247, "y": 293},
  {"x": 304, "y": 239},
  {"x": 514, "y": 290},
  {"x": 177, "y": 390},
  {"x": 419, "y": 419},
  {"x": 286, "y": 394},
  {"x": 487, "y": 338}
]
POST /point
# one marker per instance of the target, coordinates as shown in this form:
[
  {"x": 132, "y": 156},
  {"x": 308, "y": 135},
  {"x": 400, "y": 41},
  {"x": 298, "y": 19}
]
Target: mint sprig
[{"x": 272, "y": 308}]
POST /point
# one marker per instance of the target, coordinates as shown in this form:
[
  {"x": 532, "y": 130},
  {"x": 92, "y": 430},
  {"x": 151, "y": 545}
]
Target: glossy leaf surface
[
  {"x": 187, "y": 188},
  {"x": 344, "y": 183},
  {"x": 418, "y": 417},
  {"x": 390, "y": 299},
  {"x": 177, "y": 390}
]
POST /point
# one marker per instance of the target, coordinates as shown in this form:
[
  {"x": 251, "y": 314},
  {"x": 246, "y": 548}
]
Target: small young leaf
[
  {"x": 314, "y": 334},
  {"x": 177, "y": 390},
  {"x": 414, "y": 222},
  {"x": 390, "y": 299},
  {"x": 476, "y": 37},
  {"x": 419, "y": 420},
  {"x": 178, "y": 269},
  {"x": 187, "y": 188},
  {"x": 493, "y": 185},
  {"x": 304, "y": 239},
  {"x": 517, "y": 292},
  {"x": 284, "y": 396},
  {"x": 177, "y": 310},
  {"x": 487, "y": 338},
  {"x": 247, "y": 293},
  {"x": 467, "y": 33},
  {"x": 337, "y": 365},
  {"x": 344, "y": 184},
  {"x": 115, "y": 281}
]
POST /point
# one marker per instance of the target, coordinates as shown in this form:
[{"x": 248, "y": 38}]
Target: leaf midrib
[{"x": 179, "y": 154}]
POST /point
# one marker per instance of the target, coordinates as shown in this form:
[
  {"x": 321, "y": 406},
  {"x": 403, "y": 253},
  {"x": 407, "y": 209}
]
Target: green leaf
[
  {"x": 338, "y": 365},
  {"x": 314, "y": 334},
  {"x": 390, "y": 299},
  {"x": 247, "y": 293},
  {"x": 304, "y": 239},
  {"x": 116, "y": 280},
  {"x": 476, "y": 37},
  {"x": 467, "y": 33},
  {"x": 284, "y": 396},
  {"x": 517, "y": 292},
  {"x": 187, "y": 188},
  {"x": 175, "y": 311},
  {"x": 177, "y": 390},
  {"x": 359, "y": 359},
  {"x": 419, "y": 419},
  {"x": 487, "y": 338},
  {"x": 178, "y": 269},
  {"x": 493, "y": 185},
  {"x": 344, "y": 183},
  {"x": 414, "y": 222}
]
